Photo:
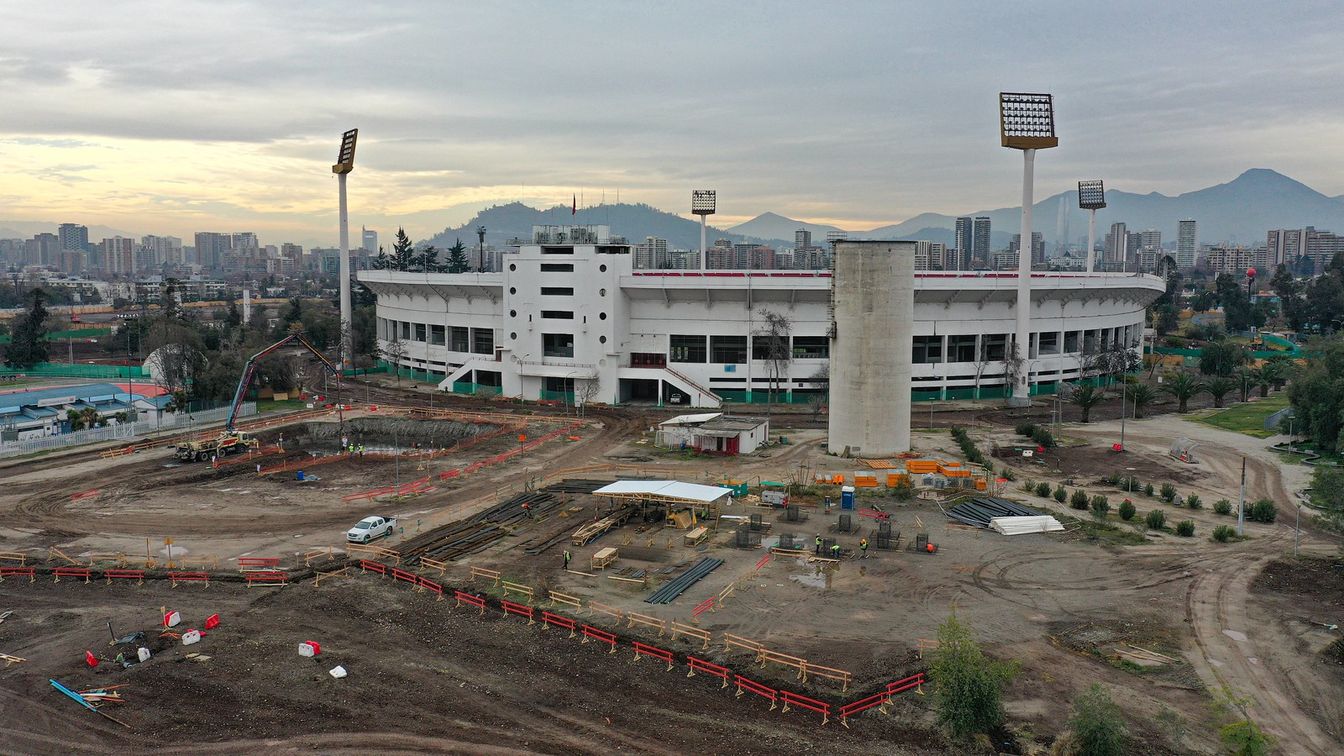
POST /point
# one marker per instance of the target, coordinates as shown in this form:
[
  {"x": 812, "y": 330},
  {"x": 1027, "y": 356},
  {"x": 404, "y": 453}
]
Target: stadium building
[{"x": 575, "y": 322}]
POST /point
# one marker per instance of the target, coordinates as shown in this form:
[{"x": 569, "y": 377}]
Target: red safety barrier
[
  {"x": 212, "y": 621},
  {"x": 453, "y": 473},
  {"x": 409, "y": 577},
  {"x": 811, "y": 704},
  {"x": 751, "y": 686},
  {"x": 863, "y": 704},
  {"x": 900, "y": 686},
  {"x": 432, "y": 586},
  {"x": 873, "y": 513},
  {"x": 266, "y": 577},
  {"x": 188, "y": 577},
  {"x": 367, "y": 566},
  {"x": 643, "y": 649},
  {"x": 592, "y": 633},
  {"x": 763, "y": 561},
  {"x": 471, "y": 599},
  {"x": 522, "y": 610},
  {"x": 85, "y": 494},
  {"x": 700, "y": 665},
  {"x": 703, "y": 606},
  {"x": 136, "y": 575},
  {"x": 72, "y": 572},
  {"x": 263, "y": 563},
  {"x": 549, "y": 618},
  {"x": 28, "y": 572}
]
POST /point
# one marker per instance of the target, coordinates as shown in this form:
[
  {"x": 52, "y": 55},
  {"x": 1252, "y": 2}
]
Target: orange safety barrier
[
  {"x": 592, "y": 633},
  {"x": 266, "y": 578},
  {"x": 404, "y": 576},
  {"x": 470, "y": 599},
  {"x": 549, "y": 618},
  {"x": 644, "y": 649},
  {"x": 189, "y": 577},
  {"x": 704, "y": 606},
  {"x": 28, "y": 572},
  {"x": 865, "y": 481},
  {"x": 763, "y": 561},
  {"x": 73, "y": 572},
  {"x": 879, "y": 699},
  {"x": 811, "y": 704},
  {"x": 522, "y": 610},
  {"x": 897, "y": 479},
  {"x": 366, "y": 565},
  {"x": 913, "y": 682},
  {"x": 136, "y": 575},
  {"x": 700, "y": 665},
  {"x": 85, "y": 494},
  {"x": 431, "y": 586},
  {"x": 751, "y": 686}
]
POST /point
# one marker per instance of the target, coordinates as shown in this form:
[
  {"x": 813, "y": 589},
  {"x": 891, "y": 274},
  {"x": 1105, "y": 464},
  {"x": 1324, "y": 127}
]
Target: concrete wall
[{"x": 874, "y": 303}]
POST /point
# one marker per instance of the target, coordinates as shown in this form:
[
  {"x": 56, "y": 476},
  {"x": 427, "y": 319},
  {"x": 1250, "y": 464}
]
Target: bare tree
[
  {"x": 585, "y": 392},
  {"x": 822, "y": 380},
  {"x": 394, "y": 351},
  {"x": 775, "y": 335},
  {"x": 981, "y": 363}
]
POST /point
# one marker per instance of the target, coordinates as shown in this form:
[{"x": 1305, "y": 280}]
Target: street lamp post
[
  {"x": 345, "y": 163},
  {"x": 1027, "y": 123}
]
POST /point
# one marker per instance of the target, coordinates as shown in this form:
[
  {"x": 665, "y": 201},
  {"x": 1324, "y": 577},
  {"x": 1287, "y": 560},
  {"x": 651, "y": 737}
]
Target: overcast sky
[{"x": 176, "y": 117}]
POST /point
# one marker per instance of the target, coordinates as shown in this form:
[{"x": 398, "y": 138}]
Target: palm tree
[
  {"x": 1220, "y": 386},
  {"x": 1183, "y": 386},
  {"x": 1141, "y": 395},
  {"x": 1086, "y": 396},
  {"x": 1273, "y": 373},
  {"x": 1247, "y": 377}
]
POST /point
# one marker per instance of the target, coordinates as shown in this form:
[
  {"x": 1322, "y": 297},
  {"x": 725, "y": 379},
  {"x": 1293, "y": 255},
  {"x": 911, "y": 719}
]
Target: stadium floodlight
[
  {"x": 345, "y": 159},
  {"x": 1027, "y": 123},
  {"x": 1091, "y": 197},
  {"x": 345, "y": 162},
  {"x": 703, "y": 204}
]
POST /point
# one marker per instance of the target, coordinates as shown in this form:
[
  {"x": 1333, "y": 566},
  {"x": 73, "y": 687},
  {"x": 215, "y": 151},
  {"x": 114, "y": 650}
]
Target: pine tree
[
  {"x": 428, "y": 259},
  {"x": 403, "y": 252},
  {"x": 28, "y": 344},
  {"x": 382, "y": 261},
  {"x": 457, "y": 258}
]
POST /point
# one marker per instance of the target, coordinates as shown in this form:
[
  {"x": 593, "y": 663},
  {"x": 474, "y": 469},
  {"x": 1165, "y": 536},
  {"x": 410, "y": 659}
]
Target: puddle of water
[
  {"x": 812, "y": 581},
  {"x": 1236, "y": 635}
]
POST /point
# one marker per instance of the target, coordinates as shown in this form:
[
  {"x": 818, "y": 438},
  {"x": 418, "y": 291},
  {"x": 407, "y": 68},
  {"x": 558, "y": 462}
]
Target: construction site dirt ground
[{"x": 1061, "y": 605}]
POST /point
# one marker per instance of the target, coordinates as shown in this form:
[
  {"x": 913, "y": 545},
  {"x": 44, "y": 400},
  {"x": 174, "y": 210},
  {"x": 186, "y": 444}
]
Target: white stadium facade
[{"x": 575, "y": 322}]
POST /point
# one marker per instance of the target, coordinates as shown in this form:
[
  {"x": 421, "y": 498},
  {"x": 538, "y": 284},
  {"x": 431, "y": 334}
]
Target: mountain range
[{"x": 1239, "y": 211}]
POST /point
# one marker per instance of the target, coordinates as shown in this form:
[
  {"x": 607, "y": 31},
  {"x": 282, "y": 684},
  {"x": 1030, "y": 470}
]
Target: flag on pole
[{"x": 573, "y": 204}]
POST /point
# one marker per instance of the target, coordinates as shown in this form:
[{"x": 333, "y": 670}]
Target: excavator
[{"x": 232, "y": 440}]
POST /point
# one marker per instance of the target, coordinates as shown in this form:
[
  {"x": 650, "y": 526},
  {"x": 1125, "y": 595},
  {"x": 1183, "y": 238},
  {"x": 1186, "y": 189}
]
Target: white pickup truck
[{"x": 371, "y": 527}]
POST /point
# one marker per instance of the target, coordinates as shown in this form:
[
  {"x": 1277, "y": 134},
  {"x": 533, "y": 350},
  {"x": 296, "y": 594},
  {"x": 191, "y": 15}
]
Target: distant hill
[
  {"x": 15, "y": 229},
  {"x": 777, "y": 228},
  {"x": 1240, "y": 211},
  {"x": 634, "y": 222}
]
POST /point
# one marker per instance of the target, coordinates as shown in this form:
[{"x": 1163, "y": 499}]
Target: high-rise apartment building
[
  {"x": 1117, "y": 245},
  {"x": 370, "y": 240},
  {"x": 161, "y": 250},
  {"x": 1037, "y": 247},
  {"x": 962, "y": 242},
  {"x": 981, "y": 239},
  {"x": 1284, "y": 246},
  {"x": 802, "y": 239},
  {"x": 211, "y": 248},
  {"x": 651, "y": 253},
  {"x": 1150, "y": 238},
  {"x": 118, "y": 256},
  {"x": 43, "y": 249},
  {"x": 73, "y": 236},
  {"x": 1186, "y": 241}
]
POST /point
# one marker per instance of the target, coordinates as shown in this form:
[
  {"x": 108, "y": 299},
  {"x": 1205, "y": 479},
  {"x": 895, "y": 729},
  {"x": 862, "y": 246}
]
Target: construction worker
[
  {"x": 361, "y": 450},
  {"x": 567, "y": 556},
  {"x": 835, "y": 551},
  {"x": 863, "y": 547},
  {"x": 818, "y": 549},
  {"x": 527, "y": 510}
]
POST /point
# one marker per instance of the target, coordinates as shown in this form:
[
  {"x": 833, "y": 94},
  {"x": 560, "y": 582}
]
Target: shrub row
[
  {"x": 1038, "y": 433},
  {"x": 968, "y": 446}
]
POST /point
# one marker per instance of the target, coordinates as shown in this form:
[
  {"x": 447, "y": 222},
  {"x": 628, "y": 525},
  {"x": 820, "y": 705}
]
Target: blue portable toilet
[
  {"x": 847, "y": 497},
  {"x": 299, "y": 476}
]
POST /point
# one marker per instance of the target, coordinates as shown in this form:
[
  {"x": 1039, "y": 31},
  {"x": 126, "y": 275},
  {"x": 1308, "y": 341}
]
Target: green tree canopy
[
  {"x": 457, "y": 258},
  {"x": 1317, "y": 394},
  {"x": 28, "y": 342},
  {"x": 967, "y": 685}
]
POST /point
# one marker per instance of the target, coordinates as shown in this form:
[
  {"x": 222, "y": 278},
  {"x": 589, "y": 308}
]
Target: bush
[
  {"x": 1222, "y": 507},
  {"x": 968, "y": 446},
  {"x": 1262, "y": 511},
  {"x": 1185, "y": 528},
  {"x": 1079, "y": 499},
  {"x": 1025, "y": 429},
  {"x": 1113, "y": 479},
  {"x": 1100, "y": 506},
  {"x": 1061, "y": 494},
  {"x": 1097, "y": 724},
  {"x": 1008, "y": 474},
  {"x": 1148, "y": 490},
  {"x": 1245, "y": 739},
  {"x": 1224, "y": 533},
  {"x": 1127, "y": 510},
  {"x": 1155, "y": 519},
  {"x": 1043, "y": 437},
  {"x": 1130, "y": 483},
  {"x": 1168, "y": 492},
  {"x": 1043, "y": 489},
  {"x": 1028, "y": 485},
  {"x": 1193, "y": 502},
  {"x": 967, "y": 686}
]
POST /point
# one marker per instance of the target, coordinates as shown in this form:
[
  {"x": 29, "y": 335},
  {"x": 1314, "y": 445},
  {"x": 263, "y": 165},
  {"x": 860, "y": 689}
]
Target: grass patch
[
  {"x": 1248, "y": 417},
  {"x": 270, "y": 405}
]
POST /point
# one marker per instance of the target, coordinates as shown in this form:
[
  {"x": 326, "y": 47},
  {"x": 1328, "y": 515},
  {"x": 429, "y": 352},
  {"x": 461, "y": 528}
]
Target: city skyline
[{"x": 467, "y": 107}]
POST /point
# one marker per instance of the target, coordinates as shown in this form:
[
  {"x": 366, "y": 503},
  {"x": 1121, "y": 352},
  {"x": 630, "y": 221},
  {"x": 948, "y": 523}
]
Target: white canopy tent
[{"x": 669, "y": 491}]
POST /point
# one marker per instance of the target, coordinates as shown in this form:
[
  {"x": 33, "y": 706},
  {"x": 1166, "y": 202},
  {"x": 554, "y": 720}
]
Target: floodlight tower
[
  {"x": 1091, "y": 197},
  {"x": 345, "y": 162},
  {"x": 1027, "y": 123},
  {"x": 703, "y": 203},
  {"x": 480, "y": 249}
]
